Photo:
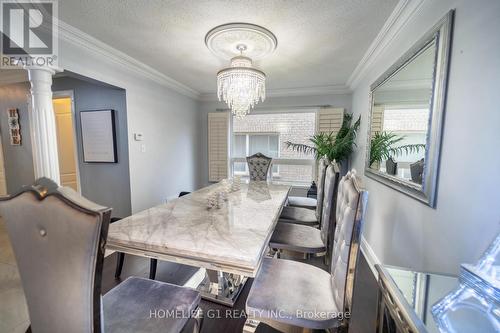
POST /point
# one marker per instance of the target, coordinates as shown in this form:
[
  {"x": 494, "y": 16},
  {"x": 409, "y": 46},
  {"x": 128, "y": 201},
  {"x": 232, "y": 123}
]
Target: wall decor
[
  {"x": 14, "y": 127},
  {"x": 98, "y": 136},
  {"x": 407, "y": 106}
]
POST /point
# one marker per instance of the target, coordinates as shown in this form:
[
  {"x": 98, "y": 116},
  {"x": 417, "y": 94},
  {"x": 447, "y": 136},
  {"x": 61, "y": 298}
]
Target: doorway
[{"x": 64, "y": 112}]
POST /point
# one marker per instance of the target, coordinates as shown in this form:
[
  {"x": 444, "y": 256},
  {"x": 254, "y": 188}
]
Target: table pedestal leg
[{"x": 222, "y": 288}]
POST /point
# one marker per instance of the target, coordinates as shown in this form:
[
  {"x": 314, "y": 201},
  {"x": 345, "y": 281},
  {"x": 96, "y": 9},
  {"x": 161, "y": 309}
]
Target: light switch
[{"x": 143, "y": 148}]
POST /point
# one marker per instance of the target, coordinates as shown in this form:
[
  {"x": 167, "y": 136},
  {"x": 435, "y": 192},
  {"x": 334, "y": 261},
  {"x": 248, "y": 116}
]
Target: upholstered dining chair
[
  {"x": 289, "y": 295},
  {"x": 306, "y": 239},
  {"x": 258, "y": 166},
  {"x": 59, "y": 240},
  {"x": 305, "y": 216},
  {"x": 305, "y": 202},
  {"x": 302, "y": 202}
]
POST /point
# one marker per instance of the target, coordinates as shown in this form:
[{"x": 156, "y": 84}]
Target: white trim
[
  {"x": 398, "y": 85},
  {"x": 338, "y": 89},
  {"x": 397, "y": 20},
  {"x": 370, "y": 256},
  {"x": 79, "y": 38}
]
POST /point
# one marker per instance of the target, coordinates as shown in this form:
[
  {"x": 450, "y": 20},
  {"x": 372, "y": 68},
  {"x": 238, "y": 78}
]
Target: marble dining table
[{"x": 230, "y": 239}]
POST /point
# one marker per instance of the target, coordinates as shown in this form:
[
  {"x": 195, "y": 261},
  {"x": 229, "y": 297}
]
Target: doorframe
[{"x": 71, "y": 95}]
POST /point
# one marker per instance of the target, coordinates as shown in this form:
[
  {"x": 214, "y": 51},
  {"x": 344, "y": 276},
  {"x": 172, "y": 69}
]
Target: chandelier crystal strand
[{"x": 241, "y": 86}]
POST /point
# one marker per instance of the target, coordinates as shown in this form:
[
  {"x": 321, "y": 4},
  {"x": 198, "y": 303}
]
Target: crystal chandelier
[{"x": 241, "y": 86}]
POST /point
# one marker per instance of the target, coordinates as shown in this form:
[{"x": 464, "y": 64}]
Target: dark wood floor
[{"x": 364, "y": 302}]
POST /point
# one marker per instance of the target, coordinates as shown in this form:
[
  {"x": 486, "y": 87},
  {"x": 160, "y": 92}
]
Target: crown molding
[
  {"x": 338, "y": 89},
  {"x": 289, "y": 92},
  {"x": 399, "y": 85},
  {"x": 397, "y": 20},
  {"x": 81, "y": 39}
]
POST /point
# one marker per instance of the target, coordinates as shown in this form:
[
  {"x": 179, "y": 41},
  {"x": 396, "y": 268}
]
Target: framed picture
[{"x": 98, "y": 136}]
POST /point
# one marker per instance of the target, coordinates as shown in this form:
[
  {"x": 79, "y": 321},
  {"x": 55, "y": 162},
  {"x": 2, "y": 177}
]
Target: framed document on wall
[{"x": 98, "y": 136}]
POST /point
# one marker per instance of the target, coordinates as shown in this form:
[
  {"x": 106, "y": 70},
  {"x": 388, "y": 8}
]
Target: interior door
[
  {"x": 65, "y": 142},
  {"x": 3, "y": 184}
]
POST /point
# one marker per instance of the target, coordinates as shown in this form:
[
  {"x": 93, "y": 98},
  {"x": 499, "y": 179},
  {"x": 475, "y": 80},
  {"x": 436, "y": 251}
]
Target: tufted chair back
[
  {"x": 258, "y": 166},
  {"x": 349, "y": 217},
  {"x": 331, "y": 181},
  {"x": 322, "y": 165},
  {"x": 58, "y": 239}
]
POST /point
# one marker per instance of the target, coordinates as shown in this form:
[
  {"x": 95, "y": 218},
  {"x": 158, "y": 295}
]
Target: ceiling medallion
[{"x": 241, "y": 85}]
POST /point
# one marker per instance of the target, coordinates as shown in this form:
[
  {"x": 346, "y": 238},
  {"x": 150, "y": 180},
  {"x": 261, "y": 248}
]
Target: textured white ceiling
[{"x": 320, "y": 42}]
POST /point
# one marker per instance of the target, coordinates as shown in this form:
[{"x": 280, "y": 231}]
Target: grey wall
[
  {"x": 18, "y": 159},
  {"x": 105, "y": 183},
  {"x": 404, "y": 232},
  {"x": 341, "y": 101}
]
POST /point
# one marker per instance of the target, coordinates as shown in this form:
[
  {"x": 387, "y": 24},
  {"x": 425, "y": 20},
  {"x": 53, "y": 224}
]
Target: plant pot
[
  {"x": 417, "y": 170},
  {"x": 391, "y": 167}
]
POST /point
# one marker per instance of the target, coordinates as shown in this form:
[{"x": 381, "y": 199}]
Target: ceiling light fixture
[{"x": 241, "y": 85}]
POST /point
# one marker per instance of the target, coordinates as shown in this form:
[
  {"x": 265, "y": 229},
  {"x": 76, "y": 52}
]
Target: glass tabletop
[{"x": 422, "y": 290}]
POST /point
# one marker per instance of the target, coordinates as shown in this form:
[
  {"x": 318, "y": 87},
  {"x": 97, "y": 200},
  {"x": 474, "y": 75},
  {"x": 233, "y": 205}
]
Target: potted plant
[
  {"x": 382, "y": 147},
  {"x": 336, "y": 147}
]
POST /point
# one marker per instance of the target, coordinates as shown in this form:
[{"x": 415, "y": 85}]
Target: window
[
  {"x": 409, "y": 122},
  {"x": 267, "y": 133},
  {"x": 248, "y": 144}
]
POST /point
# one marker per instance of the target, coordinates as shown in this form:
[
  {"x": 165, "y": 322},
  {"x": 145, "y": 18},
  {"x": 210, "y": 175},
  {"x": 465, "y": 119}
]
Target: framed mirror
[{"x": 406, "y": 116}]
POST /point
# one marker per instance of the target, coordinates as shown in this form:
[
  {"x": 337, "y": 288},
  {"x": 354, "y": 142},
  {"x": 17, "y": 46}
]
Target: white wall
[
  {"x": 167, "y": 119},
  {"x": 402, "y": 231},
  {"x": 273, "y": 103}
]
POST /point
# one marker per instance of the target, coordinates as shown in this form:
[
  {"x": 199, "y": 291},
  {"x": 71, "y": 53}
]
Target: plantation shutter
[
  {"x": 377, "y": 120},
  {"x": 377, "y": 125},
  {"x": 330, "y": 120},
  {"x": 218, "y": 133}
]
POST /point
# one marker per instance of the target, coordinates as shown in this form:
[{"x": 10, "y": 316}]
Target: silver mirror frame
[{"x": 441, "y": 34}]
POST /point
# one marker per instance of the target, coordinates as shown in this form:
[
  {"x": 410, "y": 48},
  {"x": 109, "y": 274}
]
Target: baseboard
[{"x": 370, "y": 256}]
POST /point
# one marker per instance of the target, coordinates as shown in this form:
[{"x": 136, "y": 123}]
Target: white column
[{"x": 43, "y": 124}]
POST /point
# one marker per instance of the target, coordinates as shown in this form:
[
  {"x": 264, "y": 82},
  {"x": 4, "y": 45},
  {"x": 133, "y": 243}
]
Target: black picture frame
[{"x": 90, "y": 159}]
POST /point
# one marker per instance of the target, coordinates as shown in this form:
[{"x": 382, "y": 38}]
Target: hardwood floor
[{"x": 13, "y": 310}]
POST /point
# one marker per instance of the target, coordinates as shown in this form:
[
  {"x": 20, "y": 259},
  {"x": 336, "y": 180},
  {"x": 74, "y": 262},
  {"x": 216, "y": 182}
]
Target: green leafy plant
[
  {"x": 336, "y": 147},
  {"x": 382, "y": 147}
]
